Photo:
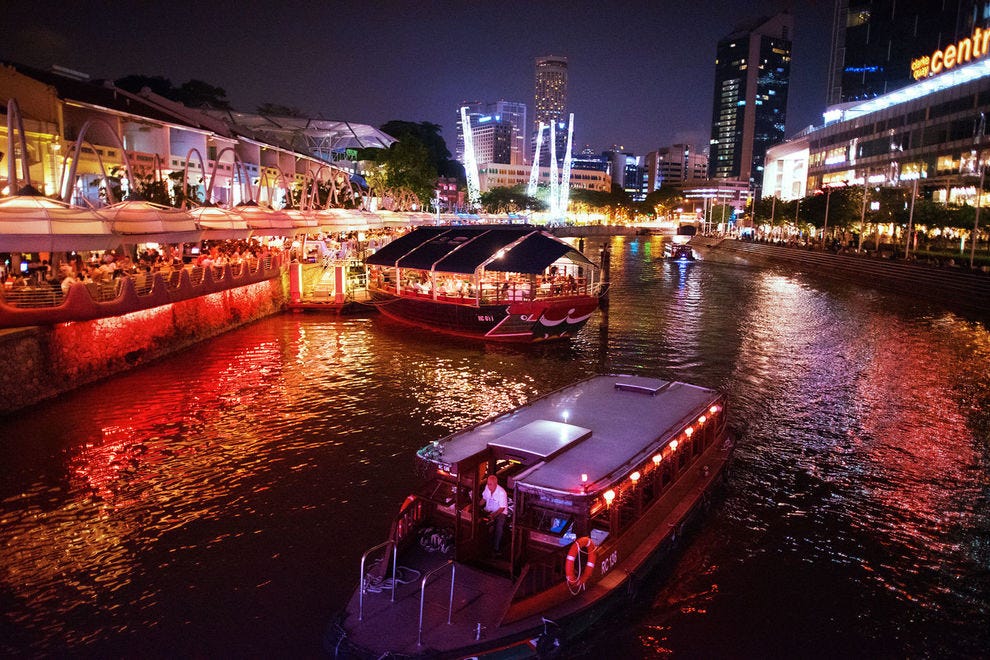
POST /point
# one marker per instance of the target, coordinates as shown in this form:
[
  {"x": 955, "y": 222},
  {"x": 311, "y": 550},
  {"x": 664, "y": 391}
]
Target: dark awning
[
  {"x": 534, "y": 254},
  {"x": 463, "y": 249},
  {"x": 389, "y": 254}
]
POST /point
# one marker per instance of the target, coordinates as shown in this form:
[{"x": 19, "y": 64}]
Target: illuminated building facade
[
  {"x": 675, "y": 165},
  {"x": 495, "y": 175},
  {"x": 506, "y": 142},
  {"x": 587, "y": 159},
  {"x": 752, "y": 71},
  {"x": 239, "y": 156},
  {"x": 934, "y": 130},
  {"x": 551, "y": 103},
  {"x": 875, "y": 41}
]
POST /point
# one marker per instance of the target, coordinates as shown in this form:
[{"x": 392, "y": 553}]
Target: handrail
[
  {"x": 395, "y": 562},
  {"x": 422, "y": 596}
]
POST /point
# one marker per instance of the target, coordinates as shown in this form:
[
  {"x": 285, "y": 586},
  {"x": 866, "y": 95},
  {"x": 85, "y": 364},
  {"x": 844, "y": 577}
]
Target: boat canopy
[
  {"x": 600, "y": 428},
  {"x": 504, "y": 248}
]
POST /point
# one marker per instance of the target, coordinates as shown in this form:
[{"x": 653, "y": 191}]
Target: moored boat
[
  {"x": 511, "y": 283},
  {"x": 601, "y": 477}
]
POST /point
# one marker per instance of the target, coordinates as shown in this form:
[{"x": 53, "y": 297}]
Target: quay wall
[
  {"x": 568, "y": 231},
  {"x": 41, "y": 362},
  {"x": 956, "y": 288}
]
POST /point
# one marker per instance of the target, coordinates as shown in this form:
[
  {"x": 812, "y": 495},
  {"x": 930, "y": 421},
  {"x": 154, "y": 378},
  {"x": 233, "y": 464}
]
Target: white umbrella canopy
[
  {"x": 33, "y": 223},
  {"x": 347, "y": 220},
  {"x": 302, "y": 221},
  {"x": 265, "y": 221},
  {"x": 220, "y": 224},
  {"x": 138, "y": 221}
]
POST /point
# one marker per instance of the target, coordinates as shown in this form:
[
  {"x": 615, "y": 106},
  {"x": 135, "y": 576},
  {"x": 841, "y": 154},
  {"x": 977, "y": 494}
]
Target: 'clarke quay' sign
[{"x": 966, "y": 50}]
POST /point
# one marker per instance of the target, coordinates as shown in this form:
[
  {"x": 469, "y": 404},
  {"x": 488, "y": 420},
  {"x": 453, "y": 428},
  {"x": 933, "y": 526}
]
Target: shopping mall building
[{"x": 934, "y": 131}]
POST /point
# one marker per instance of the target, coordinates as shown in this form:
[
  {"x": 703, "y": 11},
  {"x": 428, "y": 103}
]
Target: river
[{"x": 216, "y": 503}]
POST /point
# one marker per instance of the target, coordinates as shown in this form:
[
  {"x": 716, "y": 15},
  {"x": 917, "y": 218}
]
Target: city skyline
[{"x": 641, "y": 74}]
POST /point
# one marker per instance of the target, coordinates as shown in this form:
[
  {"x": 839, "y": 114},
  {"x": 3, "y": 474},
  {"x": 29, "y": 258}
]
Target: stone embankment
[
  {"x": 41, "y": 362},
  {"x": 957, "y": 288}
]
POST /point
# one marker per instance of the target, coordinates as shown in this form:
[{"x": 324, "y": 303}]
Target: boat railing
[
  {"x": 422, "y": 596},
  {"x": 364, "y": 558}
]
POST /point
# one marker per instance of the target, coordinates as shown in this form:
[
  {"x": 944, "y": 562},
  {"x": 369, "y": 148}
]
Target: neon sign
[{"x": 967, "y": 49}]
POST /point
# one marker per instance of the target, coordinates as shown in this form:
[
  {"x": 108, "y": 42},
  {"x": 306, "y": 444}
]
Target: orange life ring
[{"x": 576, "y": 577}]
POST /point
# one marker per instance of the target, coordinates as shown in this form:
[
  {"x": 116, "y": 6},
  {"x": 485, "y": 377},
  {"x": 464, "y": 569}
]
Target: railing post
[
  {"x": 422, "y": 597},
  {"x": 364, "y": 557}
]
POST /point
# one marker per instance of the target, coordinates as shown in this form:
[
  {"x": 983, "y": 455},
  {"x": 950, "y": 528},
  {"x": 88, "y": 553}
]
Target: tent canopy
[{"x": 504, "y": 248}]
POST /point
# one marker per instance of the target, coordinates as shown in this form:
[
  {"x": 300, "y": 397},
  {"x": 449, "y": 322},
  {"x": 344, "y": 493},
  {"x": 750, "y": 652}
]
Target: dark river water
[{"x": 216, "y": 503}]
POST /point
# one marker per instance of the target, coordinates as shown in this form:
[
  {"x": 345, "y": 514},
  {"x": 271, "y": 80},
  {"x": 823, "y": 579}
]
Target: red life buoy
[{"x": 576, "y": 575}]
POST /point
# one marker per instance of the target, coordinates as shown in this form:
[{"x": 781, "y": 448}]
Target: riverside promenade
[{"x": 956, "y": 287}]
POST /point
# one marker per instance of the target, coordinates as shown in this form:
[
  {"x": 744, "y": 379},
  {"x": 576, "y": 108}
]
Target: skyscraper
[
  {"x": 874, "y": 41},
  {"x": 752, "y": 70},
  {"x": 551, "y": 101},
  {"x": 500, "y": 132}
]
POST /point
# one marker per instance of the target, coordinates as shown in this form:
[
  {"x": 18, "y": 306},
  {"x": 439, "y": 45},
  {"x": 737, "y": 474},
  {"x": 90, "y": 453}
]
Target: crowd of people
[{"x": 100, "y": 268}]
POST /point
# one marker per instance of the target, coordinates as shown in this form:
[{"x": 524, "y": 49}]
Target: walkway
[{"x": 954, "y": 286}]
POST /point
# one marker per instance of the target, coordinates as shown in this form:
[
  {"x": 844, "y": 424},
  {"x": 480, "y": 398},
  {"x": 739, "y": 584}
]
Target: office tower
[
  {"x": 875, "y": 41},
  {"x": 499, "y": 132},
  {"x": 514, "y": 114},
  {"x": 551, "y": 103},
  {"x": 752, "y": 69},
  {"x": 675, "y": 165}
]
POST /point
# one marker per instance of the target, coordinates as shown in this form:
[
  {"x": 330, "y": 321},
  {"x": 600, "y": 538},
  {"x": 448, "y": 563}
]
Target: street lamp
[
  {"x": 828, "y": 197},
  {"x": 914, "y": 195},
  {"x": 862, "y": 215},
  {"x": 981, "y": 128}
]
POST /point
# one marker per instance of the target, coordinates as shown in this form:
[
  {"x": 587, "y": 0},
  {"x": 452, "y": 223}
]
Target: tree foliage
[
  {"x": 279, "y": 110},
  {"x": 662, "y": 202},
  {"x": 509, "y": 200},
  {"x": 615, "y": 203},
  {"x": 192, "y": 93},
  {"x": 427, "y": 134},
  {"x": 405, "y": 164}
]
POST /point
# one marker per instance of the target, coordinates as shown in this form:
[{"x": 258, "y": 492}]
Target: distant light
[
  {"x": 634, "y": 477},
  {"x": 713, "y": 409},
  {"x": 673, "y": 444},
  {"x": 584, "y": 477},
  {"x": 657, "y": 458},
  {"x": 689, "y": 431},
  {"x": 609, "y": 495},
  {"x": 702, "y": 419}
]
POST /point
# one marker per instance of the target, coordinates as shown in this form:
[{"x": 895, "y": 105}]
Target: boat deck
[{"x": 479, "y": 597}]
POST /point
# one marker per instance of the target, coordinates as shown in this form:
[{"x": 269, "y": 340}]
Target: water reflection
[{"x": 216, "y": 502}]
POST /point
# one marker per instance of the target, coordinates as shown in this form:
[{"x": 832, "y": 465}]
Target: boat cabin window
[{"x": 548, "y": 521}]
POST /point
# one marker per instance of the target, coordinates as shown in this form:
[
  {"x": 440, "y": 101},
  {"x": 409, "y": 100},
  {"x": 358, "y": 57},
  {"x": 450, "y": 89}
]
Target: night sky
[{"x": 640, "y": 72}]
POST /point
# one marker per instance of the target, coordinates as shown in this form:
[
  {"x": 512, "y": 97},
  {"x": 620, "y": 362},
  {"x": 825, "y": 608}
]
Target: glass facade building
[
  {"x": 551, "y": 104},
  {"x": 875, "y": 41},
  {"x": 752, "y": 71}
]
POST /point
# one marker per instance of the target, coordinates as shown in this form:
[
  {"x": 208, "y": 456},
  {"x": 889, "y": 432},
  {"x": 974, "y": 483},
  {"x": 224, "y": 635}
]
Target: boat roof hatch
[{"x": 540, "y": 439}]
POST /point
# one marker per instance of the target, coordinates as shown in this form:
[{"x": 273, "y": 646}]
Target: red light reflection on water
[{"x": 920, "y": 447}]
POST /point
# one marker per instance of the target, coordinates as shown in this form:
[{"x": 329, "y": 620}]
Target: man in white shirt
[{"x": 496, "y": 503}]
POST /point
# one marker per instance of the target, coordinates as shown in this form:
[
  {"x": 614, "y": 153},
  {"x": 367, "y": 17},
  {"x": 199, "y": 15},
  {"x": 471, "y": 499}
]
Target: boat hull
[{"x": 515, "y": 322}]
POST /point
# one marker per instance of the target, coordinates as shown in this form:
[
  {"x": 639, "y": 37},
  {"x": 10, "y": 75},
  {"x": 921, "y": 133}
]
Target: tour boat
[
  {"x": 511, "y": 283},
  {"x": 602, "y": 476},
  {"x": 678, "y": 249}
]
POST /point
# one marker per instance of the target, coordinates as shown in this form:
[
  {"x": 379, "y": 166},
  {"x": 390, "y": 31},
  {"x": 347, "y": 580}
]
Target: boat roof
[
  {"x": 462, "y": 249},
  {"x": 601, "y": 427}
]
